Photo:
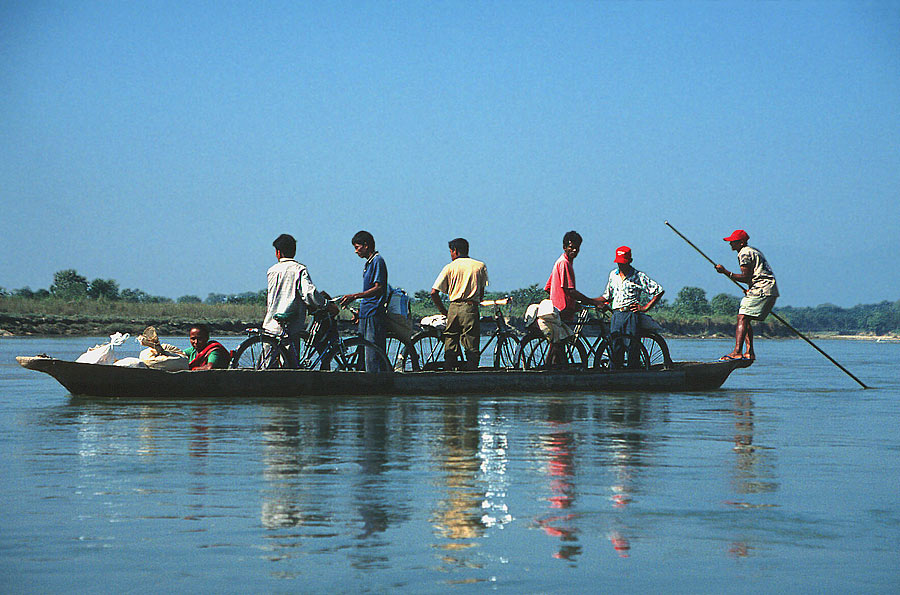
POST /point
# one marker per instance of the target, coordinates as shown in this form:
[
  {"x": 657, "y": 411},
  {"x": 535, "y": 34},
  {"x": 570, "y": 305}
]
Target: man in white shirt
[
  {"x": 623, "y": 296},
  {"x": 463, "y": 280},
  {"x": 290, "y": 291}
]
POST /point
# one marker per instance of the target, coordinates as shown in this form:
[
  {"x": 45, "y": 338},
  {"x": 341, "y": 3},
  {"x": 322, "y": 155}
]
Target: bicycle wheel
[
  {"x": 260, "y": 352},
  {"x": 533, "y": 350},
  {"x": 429, "y": 349},
  {"x": 349, "y": 355},
  {"x": 657, "y": 350},
  {"x": 505, "y": 351},
  {"x": 401, "y": 355},
  {"x": 603, "y": 358}
]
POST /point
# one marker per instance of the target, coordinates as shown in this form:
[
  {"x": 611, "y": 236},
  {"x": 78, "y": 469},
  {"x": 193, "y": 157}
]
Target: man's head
[
  {"x": 572, "y": 243},
  {"x": 459, "y": 248},
  {"x": 623, "y": 255},
  {"x": 286, "y": 245},
  {"x": 738, "y": 239},
  {"x": 199, "y": 336},
  {"x": 363, "y": 243}
]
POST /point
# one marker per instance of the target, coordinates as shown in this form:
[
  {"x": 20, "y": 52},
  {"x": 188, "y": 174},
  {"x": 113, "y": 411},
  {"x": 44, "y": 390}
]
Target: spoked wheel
[
  {"x": 260, "y": 352},
  {"x": 534, "y": 349},
  {"x": 657, "y": 350},
  {"x": 349, "y": 355},
  {"x": 429, "y": 349},
  {"x": 401, "y": 355},
  {"x": 505, "y": 351},
  {"x": 603, "y": 358}
]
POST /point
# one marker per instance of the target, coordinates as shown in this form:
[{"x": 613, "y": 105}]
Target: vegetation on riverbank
[{"x": 75, "y": 306}]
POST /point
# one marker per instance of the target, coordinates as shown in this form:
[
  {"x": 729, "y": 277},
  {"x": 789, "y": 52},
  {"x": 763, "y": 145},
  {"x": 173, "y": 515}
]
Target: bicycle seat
[{"x": 285, "y": 317}]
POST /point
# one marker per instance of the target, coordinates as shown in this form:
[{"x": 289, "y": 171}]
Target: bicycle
[
  {"x": 597, "y": 353},
  {"x": 321, "y": 348},
  {"x": 428, "y": 344},
  {"x": 401, "y": 353}
]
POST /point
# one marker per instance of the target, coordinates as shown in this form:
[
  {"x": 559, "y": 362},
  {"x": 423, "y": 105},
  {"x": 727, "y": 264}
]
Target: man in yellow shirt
[{"x": 463, "y": 280}]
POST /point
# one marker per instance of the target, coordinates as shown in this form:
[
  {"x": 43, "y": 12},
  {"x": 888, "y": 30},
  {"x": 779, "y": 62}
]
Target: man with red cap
[
  {"x": 759, "y": 296},
  {"x": 623, "y": 296}
]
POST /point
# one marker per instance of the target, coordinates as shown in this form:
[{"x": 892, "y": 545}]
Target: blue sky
[{"x": 166, "y": 144}]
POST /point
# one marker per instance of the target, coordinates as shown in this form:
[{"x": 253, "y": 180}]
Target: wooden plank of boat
[{"x": 114, "y": 381}]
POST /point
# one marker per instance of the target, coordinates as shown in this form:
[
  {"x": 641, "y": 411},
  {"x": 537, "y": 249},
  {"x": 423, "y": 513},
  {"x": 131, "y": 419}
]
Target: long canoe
[{"x": 114, "y": 381}]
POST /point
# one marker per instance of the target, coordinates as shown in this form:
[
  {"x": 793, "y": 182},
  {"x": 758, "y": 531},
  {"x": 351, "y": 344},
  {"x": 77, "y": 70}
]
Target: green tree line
[
  {"x": 690, "y": 303},
  {"x": 69, "y": 285}
]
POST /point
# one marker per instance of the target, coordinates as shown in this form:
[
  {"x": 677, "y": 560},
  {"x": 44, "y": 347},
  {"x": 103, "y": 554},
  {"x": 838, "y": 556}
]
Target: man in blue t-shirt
[{"x": 372, "y": 298}]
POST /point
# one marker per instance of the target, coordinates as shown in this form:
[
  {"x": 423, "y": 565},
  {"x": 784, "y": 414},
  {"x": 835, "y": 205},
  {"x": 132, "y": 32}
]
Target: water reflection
[
  {"x": 457, "y": 513},
  {"x": 753, "y": 472},
  {"x": 558, "y": 448},
  {"x": 624, "y": 423},
  {"x": 346, "y": 472}
]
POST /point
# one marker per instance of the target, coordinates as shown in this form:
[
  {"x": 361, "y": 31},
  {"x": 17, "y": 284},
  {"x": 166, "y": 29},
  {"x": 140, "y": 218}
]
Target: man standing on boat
[
  {"x": 623, "y": 293},
  {"x": 373, "y": 304},
  {"x": 290, "y": 290},
  {"x": 204, "y": 354},
  {"x": 759, "y": 297},
  {"x": 463, "y": 280},
  {"x": 565, "y": 299}
]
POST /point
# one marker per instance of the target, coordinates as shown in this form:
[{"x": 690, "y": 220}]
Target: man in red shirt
[{"x": 565, "y": 298}]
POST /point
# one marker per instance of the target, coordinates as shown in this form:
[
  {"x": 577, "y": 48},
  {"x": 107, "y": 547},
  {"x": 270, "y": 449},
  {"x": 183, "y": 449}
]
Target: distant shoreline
[{"x": 75, "y": 326}]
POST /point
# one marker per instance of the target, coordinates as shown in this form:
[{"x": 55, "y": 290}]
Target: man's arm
[
  {"x": 648, "y": 305},
  {"x": 580, "y": 298},
  {"x": 436, "y": 298},
  {"x": 745, "y": 276},
  {"x": 376, "y": 290}
]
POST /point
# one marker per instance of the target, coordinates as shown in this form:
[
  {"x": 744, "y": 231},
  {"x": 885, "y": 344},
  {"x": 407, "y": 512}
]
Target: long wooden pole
[{"x": 776, "y": 316}]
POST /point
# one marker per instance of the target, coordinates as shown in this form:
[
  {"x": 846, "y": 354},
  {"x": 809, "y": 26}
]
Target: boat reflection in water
[{"x": 357, "y": 477}]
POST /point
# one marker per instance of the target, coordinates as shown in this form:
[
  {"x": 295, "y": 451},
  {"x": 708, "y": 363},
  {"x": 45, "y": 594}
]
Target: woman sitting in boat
[{"x": 204, "y": 354}]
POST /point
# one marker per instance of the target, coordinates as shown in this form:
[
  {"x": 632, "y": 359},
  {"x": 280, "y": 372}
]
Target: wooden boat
[{"x": 114, "y": 381}]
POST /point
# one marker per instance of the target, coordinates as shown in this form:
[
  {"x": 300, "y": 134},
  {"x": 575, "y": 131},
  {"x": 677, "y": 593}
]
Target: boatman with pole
[
  {"x": 463, "y": 280},
  {"x": 759, "y": 297}
]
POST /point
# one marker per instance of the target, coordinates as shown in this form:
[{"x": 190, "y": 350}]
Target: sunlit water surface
[{"x": 787, "y": 478}]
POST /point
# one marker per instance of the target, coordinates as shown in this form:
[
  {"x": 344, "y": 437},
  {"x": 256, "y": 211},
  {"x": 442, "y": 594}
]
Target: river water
[{"x": 786, "y": 478}]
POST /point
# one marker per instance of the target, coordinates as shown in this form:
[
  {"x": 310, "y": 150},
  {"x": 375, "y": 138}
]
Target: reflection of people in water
[
  {"x": 458, "y": 514},
  {"x": 752, "y": 472},
  {"x": 625, "y": 418},
  {"x": 559, "y": 447}
]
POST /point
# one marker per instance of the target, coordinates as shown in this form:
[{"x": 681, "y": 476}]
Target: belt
[{"x": 474, "y": 302}]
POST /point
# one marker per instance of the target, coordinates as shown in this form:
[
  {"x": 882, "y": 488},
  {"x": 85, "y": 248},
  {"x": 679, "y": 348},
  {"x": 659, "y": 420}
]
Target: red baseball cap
[
  {"x": 738, "y": 234},
  {"x": 623, "y": 254}
]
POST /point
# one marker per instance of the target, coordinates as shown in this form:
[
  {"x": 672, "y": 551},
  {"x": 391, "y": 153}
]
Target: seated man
[
  {"x": 204, "y": 354},
  {"x": 623, "y": 297}
]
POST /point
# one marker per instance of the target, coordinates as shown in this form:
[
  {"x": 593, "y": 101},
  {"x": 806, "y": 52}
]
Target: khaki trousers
[{"x": 463, "y": 329}]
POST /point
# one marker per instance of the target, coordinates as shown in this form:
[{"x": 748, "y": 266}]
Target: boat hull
[{"x": 113, "y": 381}]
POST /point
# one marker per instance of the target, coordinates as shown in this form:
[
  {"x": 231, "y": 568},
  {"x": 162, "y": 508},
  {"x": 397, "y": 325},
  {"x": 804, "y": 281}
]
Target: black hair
[
  {"x": 202, "y": 328},
  {"x": 363, "y": 238},
  {"x": 286, "y": 244},
  {"x": 460, "y": 246},
  {"x": 572, "y": 237}
]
